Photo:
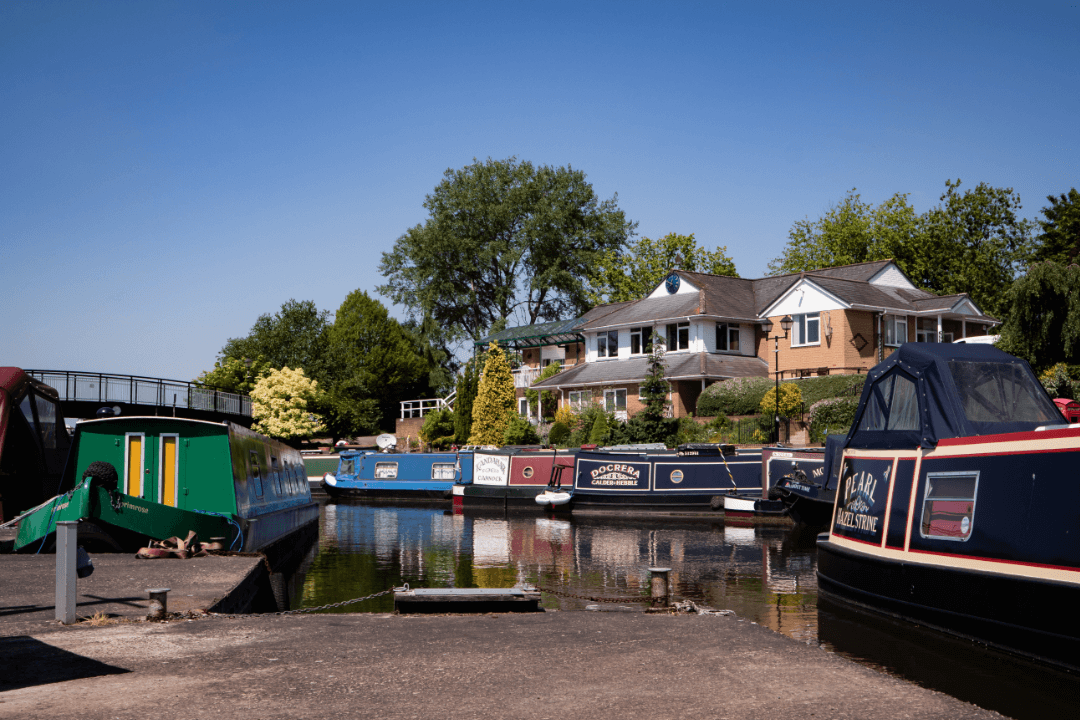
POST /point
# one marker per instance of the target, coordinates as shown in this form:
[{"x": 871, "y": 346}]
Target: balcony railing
[
  {"x": 105, "y": 388},
  {"x": 525, "y": 376},
  {"x": 420, "y": 408}
]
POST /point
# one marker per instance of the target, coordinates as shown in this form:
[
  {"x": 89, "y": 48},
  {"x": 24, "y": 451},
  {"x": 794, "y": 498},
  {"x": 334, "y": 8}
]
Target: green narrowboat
[{"x": 172, "y": 476}]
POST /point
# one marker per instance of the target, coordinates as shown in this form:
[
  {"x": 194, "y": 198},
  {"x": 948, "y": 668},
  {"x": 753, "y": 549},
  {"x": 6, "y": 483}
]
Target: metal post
[
  {"x": 776, "y": 415},
  {"x": 159, "y": 603},
  {"x": 661, "y": 589},
  {"x": 66, "y": 548}
]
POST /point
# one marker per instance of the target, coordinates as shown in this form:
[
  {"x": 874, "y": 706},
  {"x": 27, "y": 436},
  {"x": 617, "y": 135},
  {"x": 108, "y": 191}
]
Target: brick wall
[{"x": 851, "y": 345}]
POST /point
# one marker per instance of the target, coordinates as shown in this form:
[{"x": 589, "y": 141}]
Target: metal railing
[
  {"x": 105, "y": 388},
  {"x": 525, "y": 376}
]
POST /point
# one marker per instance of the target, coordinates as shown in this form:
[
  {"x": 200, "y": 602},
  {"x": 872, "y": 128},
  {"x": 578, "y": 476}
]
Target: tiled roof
[{"x": 678, "y": 366}]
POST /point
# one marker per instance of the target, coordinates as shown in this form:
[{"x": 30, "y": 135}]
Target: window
[
  {"x": 727, "y": 337},
  {"x": 615, "y": 400},
  {"x": 640, "y": 340},
  {"x": 443, "y": 471},
  {"x": 385, "y": 470},
  {"x": 523, "y": 407},
  {"x": 276, "y": 472},
  {"x": 992, "y": 392},
  {"x": 678, "y": 336},
  {"x": 893, "y": 405},
  {"x": 895, "y": 330},
  {"x": 949, "y": 505},
  {"x": 607, "y": 344},
  {"x": 256, "y": 472},
  {"x": 579, "y": 399},
  {"x": 926, "y": 330},
  {"x": 347, "y": 466},
  {"x": 806, "y": 330}
]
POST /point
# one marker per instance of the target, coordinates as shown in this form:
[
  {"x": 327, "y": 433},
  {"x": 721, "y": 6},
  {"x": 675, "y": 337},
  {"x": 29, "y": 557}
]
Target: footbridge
[{"x": 83, "y": 394}]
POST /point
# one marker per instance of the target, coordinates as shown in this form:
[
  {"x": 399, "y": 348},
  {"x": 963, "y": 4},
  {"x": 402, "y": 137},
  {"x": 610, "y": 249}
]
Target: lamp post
[{"x": 767, "y": 326}]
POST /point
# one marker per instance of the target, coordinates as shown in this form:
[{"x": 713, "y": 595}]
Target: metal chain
[
  {"x": 638, "y": 598},
  {"x": 297, "y": 611}
]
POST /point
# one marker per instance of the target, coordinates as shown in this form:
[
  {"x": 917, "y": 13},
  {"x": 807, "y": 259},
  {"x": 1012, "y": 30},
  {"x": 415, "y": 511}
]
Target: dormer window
[
  {"x": 607, "y": 344},
  {"x": 727, "y": 337}
]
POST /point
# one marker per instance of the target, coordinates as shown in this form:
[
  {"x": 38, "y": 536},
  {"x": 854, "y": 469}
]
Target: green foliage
[
  {"x": 972, "y": 242},
  {"x": 519, "y": 431},
  {"x": 559, "y": 434},
  {"x": 467, "y": 385},
  {"x": 438, "y": 429},
  {"x": 503, "y": 238},
  {"x": 599, "y": 431},
  {"x": 739, "y": 396},
  {"x": 830, "y": 386},
  {"x": 650, "y": 425},
  {"x": 790, "y": 405},
  {"x": 723, "y": 430},
  {"x": 297, "y": 336},
  {"x": 1060, "y": 238},
  {"x": 633, "y": 274},
  {"x": 280, "y": 405},
  {"x": 832, "y": 416},
  {"x": 234, "y": 375},
  {"x": 374, "y": 358},
  {"x": 689, "y": 431},
  {"x": 546, "y": 398},
  {"x": 1043, "y": 325},
  {"x": 1060, "y": 380},
  {"x": 494, "y": 400}
]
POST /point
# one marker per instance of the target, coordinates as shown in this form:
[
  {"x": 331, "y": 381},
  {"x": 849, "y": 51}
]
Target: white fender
[
  {"x": 329, "y": 479},
  {"x": 552, "y": 498}
]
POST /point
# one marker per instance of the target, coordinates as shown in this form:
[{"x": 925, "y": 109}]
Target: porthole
[
  {"x": 676, "y": 476},
  {"x": 527, "y": 472}
]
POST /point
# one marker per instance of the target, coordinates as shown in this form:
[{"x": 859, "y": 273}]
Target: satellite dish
[
  {"x": 116, "y": 409},
  {"x": 386, "y": 441}
]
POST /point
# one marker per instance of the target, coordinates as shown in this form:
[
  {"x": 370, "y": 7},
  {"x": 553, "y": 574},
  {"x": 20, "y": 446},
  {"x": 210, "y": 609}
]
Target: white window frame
[
  {"x": 800, "y": 329},
  {"x": 892, "y": 324},
  {"x": 614, "y": 394},
  {"x": 729, "y": 332},
  {"x": 638, "y": 334},
  {"x": 386, "y": 470},
  {"x": 679, "y": 327},
  {"x": 443, "y": 471},
  {"x": 610, "y": 348},
  {"x": 523, "y": 406},
  {"x": 580, "y": 402}
]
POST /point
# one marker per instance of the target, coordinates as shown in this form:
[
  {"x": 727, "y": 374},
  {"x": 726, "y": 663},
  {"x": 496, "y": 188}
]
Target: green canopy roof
[{"x": 557, "y": 332}]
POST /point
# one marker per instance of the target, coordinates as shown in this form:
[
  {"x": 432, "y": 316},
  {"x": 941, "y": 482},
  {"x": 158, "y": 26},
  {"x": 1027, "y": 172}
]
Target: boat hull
[{"x": 1012, "y": 613}]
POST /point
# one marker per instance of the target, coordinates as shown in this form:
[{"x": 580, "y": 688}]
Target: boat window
[
  {"x": 276, "y": 472},
  {"x": 256, "y": 472},
  {"x": 1002, "y": 392},
  {"x": 442, "y": 471},
  {"x": 46, "y": 415},
  {"x": 949, "y": 505},
  {"x": 893, "y": 405},
  {"x": 385, "y": 470},
  {"x": 347, "y": 466},
  {"x": 27, "y": 407},
  {"x": 527, "y": 472}
]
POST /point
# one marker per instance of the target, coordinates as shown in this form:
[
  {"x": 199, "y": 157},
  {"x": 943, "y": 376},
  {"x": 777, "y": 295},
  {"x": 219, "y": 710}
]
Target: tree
[
  {"x": 234, "y": 375},
  {"x": 651, "y": 425},
  {"x": 438, "y": 429},
  {"x": 1043, "y": 323},
  {"x": 296, "y": 337},
  {"x": 280, "y": 405},
  {"x": 503, "y": 239},
  {"x": 519, "y": 431},
  {"x": 494, "y": 400},
  {"x": 374, "y": 359},
  {"x": 633, "y": 274},
  {"x": 1060, "y": 238},
  {"x": 972, "y": 242},
  {"x": 467, "y": 385}
]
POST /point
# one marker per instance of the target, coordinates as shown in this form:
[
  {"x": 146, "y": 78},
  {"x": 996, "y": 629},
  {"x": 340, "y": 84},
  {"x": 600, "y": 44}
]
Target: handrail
[{"x": 79, "y": 386}]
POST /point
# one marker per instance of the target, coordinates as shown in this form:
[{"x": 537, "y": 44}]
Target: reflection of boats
[
  {"x": 957, "y": 504},
  {"x": 397, "y": 476},
  {"x": 808, "y": 489},
  {"x": 139, "y": 478},
  {"x": 694, "y": 478},
  {"x": 33, "y": 442}
]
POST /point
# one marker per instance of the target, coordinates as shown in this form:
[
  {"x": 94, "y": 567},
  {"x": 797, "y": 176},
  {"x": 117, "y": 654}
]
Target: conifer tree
[
  {"x": 463, "y": 401},
  {"x": 494, "y": 400}
]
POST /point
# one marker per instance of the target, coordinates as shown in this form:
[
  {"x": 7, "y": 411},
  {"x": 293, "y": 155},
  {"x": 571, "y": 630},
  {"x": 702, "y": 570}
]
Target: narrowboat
[
  {"x": 512, "y": 479},
  {"x": 693, "y": 478},
  {"x": 398, "y": 476},
  {"x": 808, "y": 488},
  {"x": 34, "y": 443},
  {"x": 135, "y": 479},
  {"x": 957, "y": 505}
]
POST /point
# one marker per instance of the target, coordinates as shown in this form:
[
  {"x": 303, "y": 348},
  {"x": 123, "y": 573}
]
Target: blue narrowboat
[
  {"x": 696, "y": 477},
  {"x": 398, "y": 476},
  {"x": 957, "y": 503}
]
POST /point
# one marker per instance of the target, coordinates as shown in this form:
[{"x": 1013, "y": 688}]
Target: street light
[{"x": 767, "y": 326}]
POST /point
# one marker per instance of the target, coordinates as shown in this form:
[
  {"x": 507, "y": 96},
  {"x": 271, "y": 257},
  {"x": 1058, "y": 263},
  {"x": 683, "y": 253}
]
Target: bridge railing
[{"x": 135, "y": 390}]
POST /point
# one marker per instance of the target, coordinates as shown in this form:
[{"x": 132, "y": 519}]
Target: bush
[
  {"x": 740, "y": 396},
  {"x": 599, "y": 431},
  {"x": 790, "y": 405},
  {"x": 831, "y": 416},
  {"x": 438, "y": 429},
  {"x": 830, "y": 386},
  {"x": 1058, "y": 381},
  {"x": 519, "y": 431},
  {"x": 560, "y": 434},
  {"x": 566, "y": 416},
  {"x": 690, "y": 431}
]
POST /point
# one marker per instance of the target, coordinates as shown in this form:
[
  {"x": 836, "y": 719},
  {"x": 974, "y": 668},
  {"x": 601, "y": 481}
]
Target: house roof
[
  {"x": 678, "y": 366},
  {"x": 557, "y": 332}
]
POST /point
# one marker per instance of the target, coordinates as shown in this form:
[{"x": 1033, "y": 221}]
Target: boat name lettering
[
  {"x": 818, "y": 472},
  {"x": 857, "y": 521},
  {"x": 860, "y": 492},
  {"x": 781, "y": 454},
  {"x": 58, "y": 508},
  {"x": 606, "y": 471},
  {"x": 129, "y": 506}
]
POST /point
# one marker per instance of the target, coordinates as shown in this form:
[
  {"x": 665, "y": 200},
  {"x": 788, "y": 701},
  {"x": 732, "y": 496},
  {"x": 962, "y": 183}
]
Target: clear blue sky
[{"x": 171, "y": 170}]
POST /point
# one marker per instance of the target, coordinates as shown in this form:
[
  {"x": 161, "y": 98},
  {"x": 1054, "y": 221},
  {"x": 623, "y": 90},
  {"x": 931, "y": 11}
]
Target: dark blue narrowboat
[
  {"x": 808, "y": 487},
  {"x": 398, "y": 476},
  {"x": 693, "y": 478},
  {"x": 958, "y": 505}
]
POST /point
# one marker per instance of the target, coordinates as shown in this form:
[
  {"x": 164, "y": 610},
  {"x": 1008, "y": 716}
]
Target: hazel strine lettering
[{"x": 857, "y": 521}]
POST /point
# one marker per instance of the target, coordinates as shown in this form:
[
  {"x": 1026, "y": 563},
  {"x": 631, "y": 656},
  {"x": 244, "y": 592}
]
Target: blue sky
[{"x": 171, "y": 170}]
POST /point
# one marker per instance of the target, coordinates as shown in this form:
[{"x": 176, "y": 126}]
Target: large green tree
[
  {"x": 494, "y": 400},
  {"x": 297, "y": 336},
  {"x": 377, "y": 363},
  {"x": 1060, "y": 238},
  {"x": 504, "y": 239},
  {"x": 972, "y": 242},
  {"x": 1043, "y": 324},
  {"x": 632, "y": 273}
]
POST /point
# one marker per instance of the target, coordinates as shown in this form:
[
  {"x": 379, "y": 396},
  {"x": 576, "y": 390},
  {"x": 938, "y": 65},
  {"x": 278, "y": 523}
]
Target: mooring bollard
[
  {"x": 661, "y": 590},
  {"x": 67, "y": 535},
  {"x": 159, "y": 603}
]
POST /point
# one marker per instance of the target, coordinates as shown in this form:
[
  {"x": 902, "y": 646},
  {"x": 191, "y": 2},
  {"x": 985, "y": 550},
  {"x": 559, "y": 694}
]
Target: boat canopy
[{"x": 925, "y": 392}]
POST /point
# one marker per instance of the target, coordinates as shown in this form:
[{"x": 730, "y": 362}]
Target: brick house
[{"x": 844, "y": 320}]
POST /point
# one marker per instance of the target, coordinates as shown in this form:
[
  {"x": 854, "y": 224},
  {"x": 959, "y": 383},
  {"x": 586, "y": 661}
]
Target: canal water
[{"x": 766, "y": 574}]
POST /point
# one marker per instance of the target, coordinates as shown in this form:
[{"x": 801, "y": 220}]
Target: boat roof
[{"x": 925, "y": 392}]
